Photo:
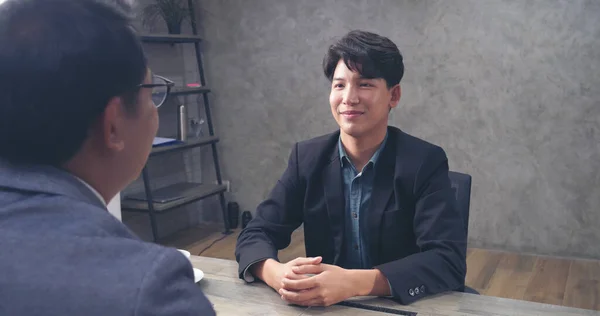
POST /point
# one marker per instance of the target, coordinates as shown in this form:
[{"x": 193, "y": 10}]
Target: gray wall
[{"x": 510, "y": 89}]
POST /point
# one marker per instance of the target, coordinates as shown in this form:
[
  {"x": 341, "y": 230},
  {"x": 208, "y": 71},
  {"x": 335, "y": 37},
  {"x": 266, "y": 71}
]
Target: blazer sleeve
[
  {"x": 440, "y": 266},
  {"x": 169, "y": 289},
  {"x": 275, "y": 220}
]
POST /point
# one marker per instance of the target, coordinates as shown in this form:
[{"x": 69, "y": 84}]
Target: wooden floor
[{"x": 574, "y": 283}]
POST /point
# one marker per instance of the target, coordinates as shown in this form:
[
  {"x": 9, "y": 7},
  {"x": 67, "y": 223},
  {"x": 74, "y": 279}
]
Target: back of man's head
[{"x": 61, "y": 61}]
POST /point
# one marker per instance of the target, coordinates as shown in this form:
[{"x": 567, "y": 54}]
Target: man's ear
[
  {"x": 396, "y": 93},
  {"x": 113, "y": 124}
]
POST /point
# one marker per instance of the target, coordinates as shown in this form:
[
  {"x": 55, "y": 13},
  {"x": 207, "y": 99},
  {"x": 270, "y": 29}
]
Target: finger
[
  {"x": 302, "y": 261},
  {"x": 300, "y": 296},
  {"x": 308, "y": 269},
  {"x": 318, "y": 300},
  {"x": 294, "y": 276},
  {"x": 296, "y": 285}
]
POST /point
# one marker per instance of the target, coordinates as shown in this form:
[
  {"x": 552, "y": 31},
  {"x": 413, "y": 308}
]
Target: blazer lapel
[
  {"x": 334, "y": 197},
  {"x": 383, "y": 186}
]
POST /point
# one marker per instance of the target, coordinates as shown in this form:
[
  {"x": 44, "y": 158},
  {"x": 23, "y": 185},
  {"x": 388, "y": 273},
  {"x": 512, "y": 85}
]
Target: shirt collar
[
  {"x": 344, "y": 156},
  {"x": 93, "y": 190}
]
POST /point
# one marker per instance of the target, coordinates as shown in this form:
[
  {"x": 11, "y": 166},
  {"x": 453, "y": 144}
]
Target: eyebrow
[{"x": 360, "y": 78}]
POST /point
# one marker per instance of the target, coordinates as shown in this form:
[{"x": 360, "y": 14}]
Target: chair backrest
[{"x": 461, "y": 183}]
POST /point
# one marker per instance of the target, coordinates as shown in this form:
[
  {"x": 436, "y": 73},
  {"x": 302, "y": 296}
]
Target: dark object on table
[
  {"x": 377, "y": 308},
  {"x": 233, "y": 210},
  {"x": 246, "y": 217}
]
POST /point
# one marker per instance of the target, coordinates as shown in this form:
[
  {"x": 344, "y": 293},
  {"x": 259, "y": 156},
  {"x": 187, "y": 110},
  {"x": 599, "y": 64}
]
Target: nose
[{"x": 350, "y": 96}]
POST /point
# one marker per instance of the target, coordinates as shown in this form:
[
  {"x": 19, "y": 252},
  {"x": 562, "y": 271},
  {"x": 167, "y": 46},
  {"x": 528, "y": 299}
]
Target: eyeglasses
[{"x": 161, "y": 87}]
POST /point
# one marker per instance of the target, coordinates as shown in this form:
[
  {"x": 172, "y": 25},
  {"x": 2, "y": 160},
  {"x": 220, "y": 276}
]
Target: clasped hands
[{"x": 309, "y": 282}]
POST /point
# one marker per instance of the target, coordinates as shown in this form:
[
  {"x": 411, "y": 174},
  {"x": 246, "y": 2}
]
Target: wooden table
[{"x": 231, "y": 296}]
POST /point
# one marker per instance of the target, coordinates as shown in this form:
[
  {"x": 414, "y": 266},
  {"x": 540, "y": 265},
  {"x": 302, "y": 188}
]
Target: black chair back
[{"x": 461, "y": 183}]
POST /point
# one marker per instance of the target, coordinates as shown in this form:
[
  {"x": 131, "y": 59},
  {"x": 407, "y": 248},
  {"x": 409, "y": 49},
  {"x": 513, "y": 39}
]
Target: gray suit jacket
[{"x": 62, "y": 253}]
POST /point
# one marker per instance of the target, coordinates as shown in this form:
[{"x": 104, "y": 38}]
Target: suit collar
[
  {"x": 45, "y": 179},
  {"x": 383, "y": 187},
  {"x": 334, "y": 198}
]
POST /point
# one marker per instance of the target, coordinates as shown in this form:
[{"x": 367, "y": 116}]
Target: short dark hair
[
  {"x": 370, "y": 54},
  {"x": 61, "y": 61}
]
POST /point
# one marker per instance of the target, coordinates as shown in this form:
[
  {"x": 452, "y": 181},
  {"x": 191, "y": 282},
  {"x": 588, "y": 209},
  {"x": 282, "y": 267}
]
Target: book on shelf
[{"x": 162, "y": 141}]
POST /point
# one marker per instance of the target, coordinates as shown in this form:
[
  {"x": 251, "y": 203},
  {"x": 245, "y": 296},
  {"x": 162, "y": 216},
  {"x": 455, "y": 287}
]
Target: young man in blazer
[
  {"x": 78, "y": 113},
  {"x": 378, "y": 210}
]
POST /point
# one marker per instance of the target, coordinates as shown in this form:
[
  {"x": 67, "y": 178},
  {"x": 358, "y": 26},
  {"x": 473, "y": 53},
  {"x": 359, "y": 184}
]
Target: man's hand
[
  {"x": 272, "y": 272},
  {"x": 330, "y": 285}
]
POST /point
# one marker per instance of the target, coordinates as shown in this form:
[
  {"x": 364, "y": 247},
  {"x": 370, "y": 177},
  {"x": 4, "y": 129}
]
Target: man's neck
[
  {"x": 94, "y": 174},
  {"x": 361, "y": 149}
]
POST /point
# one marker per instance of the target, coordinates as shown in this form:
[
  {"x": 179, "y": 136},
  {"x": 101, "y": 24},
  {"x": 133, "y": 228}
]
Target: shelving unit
[
  {"x": 191, "y": 192},
  {"x": 183, "y": 145},
  {"x": 170, "y": 38},
  {"x": 186, "y": 192},
  {"x": 187, "y": 91}
]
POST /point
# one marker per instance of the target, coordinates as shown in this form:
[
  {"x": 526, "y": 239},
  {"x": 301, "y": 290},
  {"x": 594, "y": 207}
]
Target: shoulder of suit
[
  {"x": 319, "y": 142},
  {"x": 316, "y": 149}
]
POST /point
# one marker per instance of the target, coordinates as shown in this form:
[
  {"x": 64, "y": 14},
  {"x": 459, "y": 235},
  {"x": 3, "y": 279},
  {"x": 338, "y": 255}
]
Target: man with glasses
[{"x": 78, "y": 114}]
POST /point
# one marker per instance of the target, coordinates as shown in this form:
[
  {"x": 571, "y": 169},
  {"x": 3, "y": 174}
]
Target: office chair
[{"x": 461, "y": 183}]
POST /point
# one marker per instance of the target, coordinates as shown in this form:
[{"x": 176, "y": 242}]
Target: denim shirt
[{"x": 358, "y": 187}]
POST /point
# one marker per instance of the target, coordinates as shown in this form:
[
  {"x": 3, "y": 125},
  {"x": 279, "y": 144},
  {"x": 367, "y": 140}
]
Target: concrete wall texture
[{"x": 510, "y": 89}]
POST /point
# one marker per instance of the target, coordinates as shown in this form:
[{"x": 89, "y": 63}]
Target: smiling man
[{"x": 376, "y": 203}]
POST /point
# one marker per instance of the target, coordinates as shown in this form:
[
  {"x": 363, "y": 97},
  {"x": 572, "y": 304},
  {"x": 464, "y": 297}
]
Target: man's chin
[{"x": 352, "y": 131}]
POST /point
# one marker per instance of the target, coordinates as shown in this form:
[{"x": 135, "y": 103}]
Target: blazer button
[
  {"x": 411, "y": 292},
  {"x": 422, "y": 289},
  {"x": 417, "y": 290}
]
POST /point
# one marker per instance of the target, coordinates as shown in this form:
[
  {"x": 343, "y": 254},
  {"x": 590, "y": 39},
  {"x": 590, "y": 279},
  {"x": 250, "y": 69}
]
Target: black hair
[
  {"x": 61, "y": 61},
  {"x": 370, "y": 54}
]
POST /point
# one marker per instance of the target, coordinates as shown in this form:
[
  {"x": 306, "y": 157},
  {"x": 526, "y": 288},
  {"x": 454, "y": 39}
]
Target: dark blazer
[
  {"x": 416, "y": 236},
  {"x": 63, "y": 253}
]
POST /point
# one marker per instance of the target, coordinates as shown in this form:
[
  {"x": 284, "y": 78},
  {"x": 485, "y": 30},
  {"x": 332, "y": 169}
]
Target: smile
[{"x": 351, "y": 114}]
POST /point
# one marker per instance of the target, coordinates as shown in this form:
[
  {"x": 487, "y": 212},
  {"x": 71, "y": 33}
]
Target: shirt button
[{"x": 354, "y": 215}]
